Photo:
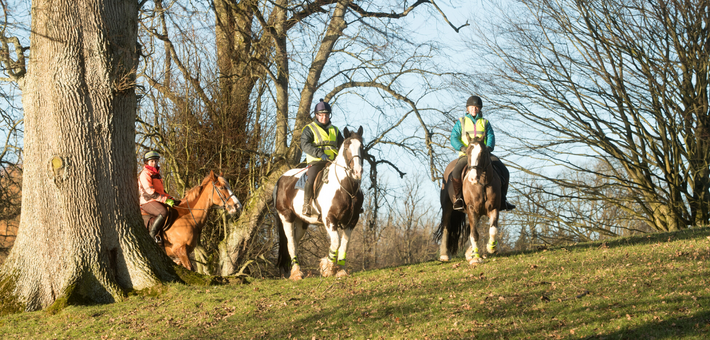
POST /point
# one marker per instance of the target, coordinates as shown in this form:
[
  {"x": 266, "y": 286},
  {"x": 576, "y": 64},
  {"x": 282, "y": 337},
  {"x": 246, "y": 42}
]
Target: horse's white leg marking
[
  {"x": 492, "y": 232},
  {"x": 289, "y": 231},
  {"x": 345, "y": 237},
  {"x": 334, "y": 243},
  {"x": 473, "y": 238}
]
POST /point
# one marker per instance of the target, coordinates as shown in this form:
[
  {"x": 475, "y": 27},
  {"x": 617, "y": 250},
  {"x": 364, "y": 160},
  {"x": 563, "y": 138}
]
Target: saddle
[
  {"x": 172, "y": 216},
  {"x": 317, "y": 184}
]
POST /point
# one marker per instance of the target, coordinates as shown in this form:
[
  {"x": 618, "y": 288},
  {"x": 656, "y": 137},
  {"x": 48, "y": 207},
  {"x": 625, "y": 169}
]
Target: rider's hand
[
  {"x": 169, "y": 202},
  {"x": 324, "y": 157},
  {"x": 177, "y": 201},
  {"x": 463, "y": 149}
]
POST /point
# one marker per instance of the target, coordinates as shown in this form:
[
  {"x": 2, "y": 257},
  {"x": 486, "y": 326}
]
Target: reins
[{"x": 221, "y": 197}]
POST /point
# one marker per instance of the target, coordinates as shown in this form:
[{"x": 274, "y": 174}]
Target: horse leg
[
  {"x": 181, "y": 252},
  {"x": 345, "y": 237},
  {"x": 445, "y": 220},
  {"x": 492, "y": 231},
  {"x": 289, "y": 229},
  {"x": 328, "y": 266},
  {"x": 472, "y": 255}
]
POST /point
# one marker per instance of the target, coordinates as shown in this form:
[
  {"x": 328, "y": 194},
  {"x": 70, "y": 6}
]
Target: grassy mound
[{"x": 654, "y": 286}]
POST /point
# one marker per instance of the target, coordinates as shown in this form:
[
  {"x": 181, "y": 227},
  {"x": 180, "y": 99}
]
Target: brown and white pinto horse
[
  {"x": 339, "y": 201},
  {"x": 482, "y": 197},
  {"x": 181, "y": 238}
]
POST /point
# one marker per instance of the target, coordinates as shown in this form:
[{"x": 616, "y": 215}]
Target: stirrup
[
  {"x": 158, "y": 240},
  {"x": 458, "y": 205}
]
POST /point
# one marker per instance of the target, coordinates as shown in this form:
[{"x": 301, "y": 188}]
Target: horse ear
[
  {"x": 359, "y": 131},
  {"x": 346, "y": 133},
  {"x": 468, "y": 138},
  {"x": 211, "y": 175}
]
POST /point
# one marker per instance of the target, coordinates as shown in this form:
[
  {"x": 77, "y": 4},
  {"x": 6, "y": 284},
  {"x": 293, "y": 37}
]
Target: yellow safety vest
[
  {"x": 328, "y": 141},
  {"x": 477, "y": 129}
]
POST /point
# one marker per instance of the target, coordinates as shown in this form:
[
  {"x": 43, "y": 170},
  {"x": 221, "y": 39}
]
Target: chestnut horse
[
  {"x": 339, "y": 201},
  {"x": 482, "y": 197},
  {"x": 181, "y": 238}
]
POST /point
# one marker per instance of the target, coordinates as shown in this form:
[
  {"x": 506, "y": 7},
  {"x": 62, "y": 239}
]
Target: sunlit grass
[{"x": 654, "y": 286}]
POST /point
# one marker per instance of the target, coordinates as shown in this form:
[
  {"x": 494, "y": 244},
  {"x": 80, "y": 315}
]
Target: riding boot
[
  {"x": 458, "y": 194},
  {"x": 506, "y": 205},
  {"x": 155, "y": 229},
  {"x": 307, "y": 198}
]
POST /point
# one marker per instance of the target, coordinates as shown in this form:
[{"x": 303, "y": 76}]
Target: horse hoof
[
  {"x": 296, "y": 273},
  {"x": 475, "y": 261},
  {"x": 327, "y": 267},
  {"x": 444, "y": 258},
  {"x": 341, "y": 273}
]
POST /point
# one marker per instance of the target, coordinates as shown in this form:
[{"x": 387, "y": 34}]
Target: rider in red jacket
[{"x": 153, "y": 198}]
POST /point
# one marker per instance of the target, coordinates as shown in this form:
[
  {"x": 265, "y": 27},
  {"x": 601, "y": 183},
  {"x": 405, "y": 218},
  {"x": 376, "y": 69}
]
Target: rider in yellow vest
[
  {"x": 320, "y": 141},
  {"x": 474, "y": 123}
]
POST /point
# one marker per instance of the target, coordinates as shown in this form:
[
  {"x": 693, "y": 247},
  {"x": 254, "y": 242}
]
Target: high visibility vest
[
  {"x": 327, "y": 141},
  {"x": 477, "y": 129}
]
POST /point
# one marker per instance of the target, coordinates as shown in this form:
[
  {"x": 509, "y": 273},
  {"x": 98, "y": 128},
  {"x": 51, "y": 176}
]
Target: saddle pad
[{"x": 301, "y": 183}]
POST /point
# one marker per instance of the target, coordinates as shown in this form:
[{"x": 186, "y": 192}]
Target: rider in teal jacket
[{"x": 481, "y": 127}]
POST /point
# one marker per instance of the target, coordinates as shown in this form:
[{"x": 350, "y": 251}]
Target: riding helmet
[
  {"x": 151, "y": 155},
  {"x": 474, "y": 101},
  {"x": 322, "y": 107}
]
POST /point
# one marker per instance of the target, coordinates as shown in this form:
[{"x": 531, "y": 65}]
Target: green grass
[{"x": 649, "y": 287}]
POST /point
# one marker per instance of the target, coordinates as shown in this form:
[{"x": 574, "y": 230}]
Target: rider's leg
[
  {"x": 456, "y": 193},
  {"x": 308, "y": 190},
  {"x": 158, "y": 210},
  {"x": 505, "y": 178}
]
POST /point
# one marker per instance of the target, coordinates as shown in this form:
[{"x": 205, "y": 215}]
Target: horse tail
[
  {"x": 453, "y": 221},
  {"x": 283, "y": 261}
]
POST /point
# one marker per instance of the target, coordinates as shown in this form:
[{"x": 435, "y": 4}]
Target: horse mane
[{"x": 195, "y": 191}]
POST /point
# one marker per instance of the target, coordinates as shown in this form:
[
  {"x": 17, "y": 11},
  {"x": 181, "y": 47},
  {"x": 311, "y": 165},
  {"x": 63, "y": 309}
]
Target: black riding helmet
[
  {"x": 322, "y": 106},
  {"x": 474, "y": 101}
]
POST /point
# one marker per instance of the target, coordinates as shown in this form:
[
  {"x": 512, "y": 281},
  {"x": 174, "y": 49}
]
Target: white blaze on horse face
[
  {"x": 355, "y": 147},
  {"x": 473, "y": 162},
  {"x": 236, "y": 205}
]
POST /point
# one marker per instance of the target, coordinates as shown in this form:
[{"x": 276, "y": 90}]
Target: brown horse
[
  {"x": 482, "y": 196},
  {"x": 339, "y": 201},
  {"x": 181, "y": 238}
]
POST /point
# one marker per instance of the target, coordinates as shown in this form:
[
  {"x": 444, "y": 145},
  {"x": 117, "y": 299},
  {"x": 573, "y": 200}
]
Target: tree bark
[{"x": 80, "y": 236}]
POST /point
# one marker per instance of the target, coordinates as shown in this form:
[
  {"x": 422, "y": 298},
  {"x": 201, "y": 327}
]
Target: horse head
[
  {"x": 351, "y": 153},
  {"x": 478, "y": 158},
  {"x": 222, "y": 195}
]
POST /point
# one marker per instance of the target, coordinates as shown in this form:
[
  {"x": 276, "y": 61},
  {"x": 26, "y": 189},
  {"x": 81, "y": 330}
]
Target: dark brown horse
[
  {"x": 482, "y": 196},
  {"x": 339, "y": 201},
  {"x": 181, "y": 238}
]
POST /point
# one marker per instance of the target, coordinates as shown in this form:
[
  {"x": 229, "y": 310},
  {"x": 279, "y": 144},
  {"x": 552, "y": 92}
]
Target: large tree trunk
[{"x": 80, "y": 236}]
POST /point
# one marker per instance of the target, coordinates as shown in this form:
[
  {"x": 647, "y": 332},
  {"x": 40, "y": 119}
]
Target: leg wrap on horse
[
  {"x": 333, "y": 256},
  {"x": 341, "y": 259},
  {"x": 294, "y": 260}
]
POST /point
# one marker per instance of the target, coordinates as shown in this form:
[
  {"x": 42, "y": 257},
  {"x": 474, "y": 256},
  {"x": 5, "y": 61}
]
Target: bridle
[{"x": 222, "y": 197}]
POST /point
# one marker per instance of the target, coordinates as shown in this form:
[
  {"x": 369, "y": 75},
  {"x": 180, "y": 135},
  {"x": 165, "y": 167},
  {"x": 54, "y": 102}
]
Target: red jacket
[{"x": 150, "y": 186}]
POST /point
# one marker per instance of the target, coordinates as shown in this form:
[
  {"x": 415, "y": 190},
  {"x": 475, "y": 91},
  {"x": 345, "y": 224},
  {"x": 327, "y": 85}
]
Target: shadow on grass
[
  {"x": 696, "y": 326},
  {"x": 687, "y": 234}
]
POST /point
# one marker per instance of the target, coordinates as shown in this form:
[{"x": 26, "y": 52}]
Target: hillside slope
[{"x": 654, "y": 286}]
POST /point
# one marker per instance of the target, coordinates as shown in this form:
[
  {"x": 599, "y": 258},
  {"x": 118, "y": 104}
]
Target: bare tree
[
  {"x": 619, "y": 83},
  {"x": 340, "y": 47}
]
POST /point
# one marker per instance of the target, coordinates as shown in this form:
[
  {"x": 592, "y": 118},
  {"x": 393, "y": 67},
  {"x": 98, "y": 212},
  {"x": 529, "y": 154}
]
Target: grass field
[{"x": 649, "y": 287}]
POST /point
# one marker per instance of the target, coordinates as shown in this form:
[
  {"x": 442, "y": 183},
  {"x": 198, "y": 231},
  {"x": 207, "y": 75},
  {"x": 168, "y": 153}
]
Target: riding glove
[
  {"x": 324, "y": 157},
  {"x": 177, "y": 201}
]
